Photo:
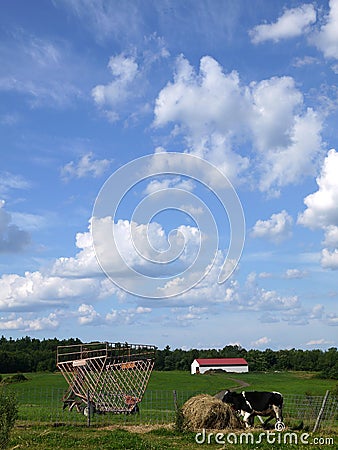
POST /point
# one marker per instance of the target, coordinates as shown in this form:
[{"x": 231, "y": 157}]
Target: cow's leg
[
  {"x": 247, "y": 418},
  {"x": 278, "y": 413},
  {"x": 251, "y": 420}
]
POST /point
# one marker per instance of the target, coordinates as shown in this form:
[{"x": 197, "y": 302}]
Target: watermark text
[{"x": 271, "y": 437}]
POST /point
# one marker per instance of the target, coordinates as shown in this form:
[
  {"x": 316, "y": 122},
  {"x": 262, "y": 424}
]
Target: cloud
[
  {"x": 216, "y": 115},
  {"x": 74, "y": 279},
  {"x": 86, "y": 167},
  {"x": 87, "y": 315},
  {"x": 331, "y": 236},
  {"x": 295, "y": 274},
  {"x": 321, "y": 208},
  {"x": 35, "y": 290},
  {"x": 193, "y": 313},
  {"x": 294, "y": 22},
  {"x": 261, "y": 342},
  {"x": 276, "y": 229},
  {"x": 78, "y": 285},
  {"x": 176, "y": 182},
  {"x": 146, "y": 249},
  {"x": 83, "y": 265},
  {"x": 104, "y": 20},
  {"x": 66, "y": 280},
  {"x": 29, "y": 221},
  {"x": 332, "y": 319},
  {"x": 326, "y": 39},
  {"x": 50, "y": 322},
  {"x": 210, "y": 107},
  {"x": 305, "y": 61},
  {"x": 317, "y": 312},
  {"x": 9, "y": 119},
  {"x": 289, "y": 151},
  {"x": 295, "y": 315},
  {"x": 233, "y": 296},
  {"x": 321, "y": 211},
  {"x": 113, "y": 95},
  {"x": 265, "y": 275},
  {"x": 329, "y": 259},
  {"x": 10, "y": 181},
  {"x": 315, "y": 342},
  {"x": 45, "y": 72},
  {"x": 12, "y": 238},
  {"x": 125, "y": 95}
]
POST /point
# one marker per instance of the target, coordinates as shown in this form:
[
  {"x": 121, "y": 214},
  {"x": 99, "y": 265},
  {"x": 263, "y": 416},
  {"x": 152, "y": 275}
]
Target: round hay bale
[{"x": 205, "y": 411}]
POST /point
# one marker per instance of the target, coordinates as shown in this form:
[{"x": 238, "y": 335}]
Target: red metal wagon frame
[{"x": 105, "y": 376}]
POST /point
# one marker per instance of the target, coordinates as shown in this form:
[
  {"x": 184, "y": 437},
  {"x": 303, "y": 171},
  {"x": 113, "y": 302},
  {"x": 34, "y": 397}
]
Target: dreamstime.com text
[{"x": 270, "y": 437}]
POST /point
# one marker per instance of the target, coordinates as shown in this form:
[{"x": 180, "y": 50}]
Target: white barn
[{"x": 201, "y": 365}]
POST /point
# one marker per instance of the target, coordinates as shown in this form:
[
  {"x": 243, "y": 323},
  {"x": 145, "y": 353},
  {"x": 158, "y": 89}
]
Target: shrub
[
  {"x": 16, "y": 378},
  {"x": 8, "y": 415}
]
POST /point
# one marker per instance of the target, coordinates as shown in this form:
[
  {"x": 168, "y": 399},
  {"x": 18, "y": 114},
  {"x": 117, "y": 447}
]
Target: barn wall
[
  {"x": 194, "y": 365},
  {"x": 237, "y": 369}
]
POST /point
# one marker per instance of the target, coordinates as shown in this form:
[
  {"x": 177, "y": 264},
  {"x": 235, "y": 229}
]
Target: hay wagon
[{"x": 105, "y": 377}]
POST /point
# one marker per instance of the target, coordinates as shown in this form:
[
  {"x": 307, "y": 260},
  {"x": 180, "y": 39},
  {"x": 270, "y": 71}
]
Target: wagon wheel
[
  {"x": 132, "y": 404},
  {"x": 89, "y": 409}
]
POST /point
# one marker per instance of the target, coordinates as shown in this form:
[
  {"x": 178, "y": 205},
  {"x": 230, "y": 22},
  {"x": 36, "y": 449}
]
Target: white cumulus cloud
[
  {"x": 276, "y": 229},
  {"x": 329, "y": 259},
  {"x": 20, "y": 323},
  {"x": 261, "y": 341},
  {"x": 331, "y": 236},
  {"x": 326, "y": 39},
  {"x": 216, "y": 114},
  {"x": 85, "y": 167},
  {"x": 322, "y": 208},
  {"x": 294, "y": 273},
  {"x": 293, "y": 22},
  {"x": 317, "y": 342}
]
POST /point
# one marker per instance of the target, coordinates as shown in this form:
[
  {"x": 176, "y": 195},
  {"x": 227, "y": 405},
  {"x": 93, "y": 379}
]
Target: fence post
[
  {"x": 175, "y": 400},
  {"x": 320, "y": 414},
  {"x": 88, "y": 409}
]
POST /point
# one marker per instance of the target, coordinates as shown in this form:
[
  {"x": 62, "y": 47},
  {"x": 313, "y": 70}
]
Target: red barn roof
[{"x": 222, "y": 362}]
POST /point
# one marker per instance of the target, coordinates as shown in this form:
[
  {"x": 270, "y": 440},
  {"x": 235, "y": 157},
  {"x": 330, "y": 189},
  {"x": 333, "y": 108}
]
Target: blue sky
[{"x": 248, "y": 86}]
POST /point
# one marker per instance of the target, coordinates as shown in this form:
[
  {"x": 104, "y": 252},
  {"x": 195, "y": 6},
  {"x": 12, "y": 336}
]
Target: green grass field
[
  {"x": 40, "y": 397},
  {"x": 284, "y": 382}
]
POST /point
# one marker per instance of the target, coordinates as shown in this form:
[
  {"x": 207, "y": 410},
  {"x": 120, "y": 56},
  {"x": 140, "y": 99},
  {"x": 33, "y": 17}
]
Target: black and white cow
[{"x": 251, "y": 404}]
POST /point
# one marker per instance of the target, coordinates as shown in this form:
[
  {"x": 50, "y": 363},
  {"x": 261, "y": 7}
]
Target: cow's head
[
  {"x": 228, "y": 397},
  {"x": 237, "y": 401}
]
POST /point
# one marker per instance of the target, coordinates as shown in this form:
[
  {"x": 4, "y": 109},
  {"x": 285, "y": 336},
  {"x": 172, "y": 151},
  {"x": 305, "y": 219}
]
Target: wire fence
[{"x": 44, "y": 405}]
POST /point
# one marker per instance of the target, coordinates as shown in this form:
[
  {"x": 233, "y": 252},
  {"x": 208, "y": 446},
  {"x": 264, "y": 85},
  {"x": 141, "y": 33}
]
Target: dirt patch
[
  {"x": 240, "y": 384},
  {"x": 141, "y": 429}
]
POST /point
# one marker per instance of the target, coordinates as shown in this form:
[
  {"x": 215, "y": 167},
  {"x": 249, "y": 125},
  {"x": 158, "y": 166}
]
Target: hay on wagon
[{"x": 205, "y": 411}]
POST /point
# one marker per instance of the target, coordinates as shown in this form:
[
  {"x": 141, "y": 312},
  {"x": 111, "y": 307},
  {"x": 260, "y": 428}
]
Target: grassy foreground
[{"x": 150, "y": 438}]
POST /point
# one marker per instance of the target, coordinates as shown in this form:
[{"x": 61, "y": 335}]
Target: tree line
[
  {"x": 323, "y": 362},
  {"x": 33, "y": 355}
]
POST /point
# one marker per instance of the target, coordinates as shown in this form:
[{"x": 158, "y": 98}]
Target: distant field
[{"x": 284, "y": 382}]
